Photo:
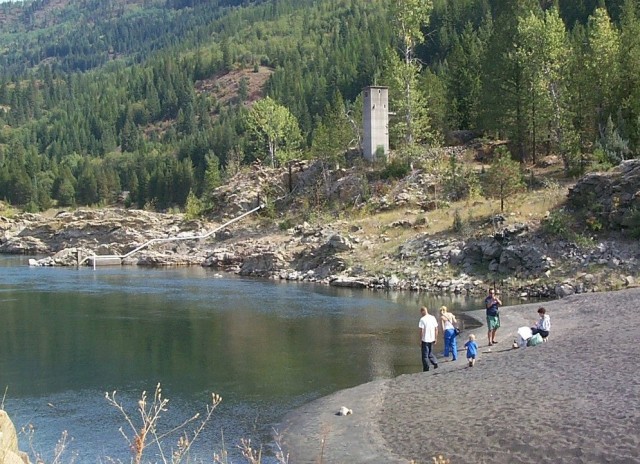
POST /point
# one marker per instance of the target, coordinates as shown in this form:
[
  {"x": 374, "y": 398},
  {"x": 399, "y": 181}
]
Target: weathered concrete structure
[{"x": 375, "y": 119}]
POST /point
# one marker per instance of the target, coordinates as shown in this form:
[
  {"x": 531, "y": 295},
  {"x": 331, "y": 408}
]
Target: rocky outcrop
[
  {"x": 612, "y": 198},
  {"x": 9, "y": 452},
  {"x": 71, "y": 236},
  {"x": 322, "y": 253},
  {"x": 337, "y": 252},
  {"x": 510, "y": 251}
]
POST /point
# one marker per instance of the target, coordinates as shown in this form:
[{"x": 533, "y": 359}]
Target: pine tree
[
  {"x": 408, "y": 17},
  {"x": 64, "y": 187},
  {"x": 505, "y": 92},
  {"x": 463, "y": 76},
  {"x": 543, "y": 52},
  {"x": 130, "y": 138},
  {"x": 629, "y": 60},
  {"x": 503, "y": 179},
  {"x": 602, "y": 68}
]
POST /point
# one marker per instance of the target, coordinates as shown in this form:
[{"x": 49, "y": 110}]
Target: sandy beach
[{"x": 574, "y": 399}]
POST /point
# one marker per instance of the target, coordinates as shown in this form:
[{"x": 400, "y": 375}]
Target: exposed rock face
[
  {"x": 509, "y": 251},
  {"x": 262, "y": 183},
  {"x": 565, "y": 289},
  {"x": 263, "y": 263},
  {"x": 72, "y": 236},
  {"x": 613, "y": 197},
  {"x": 527, "y": 261},
  {"x": 9, "y": 452}
]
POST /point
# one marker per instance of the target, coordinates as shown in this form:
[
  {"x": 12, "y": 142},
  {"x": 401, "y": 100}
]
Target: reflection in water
[{"x": 69, "y": 335}]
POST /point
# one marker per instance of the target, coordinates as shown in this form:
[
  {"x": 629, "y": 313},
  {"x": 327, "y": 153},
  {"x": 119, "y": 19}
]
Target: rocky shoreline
[
  {"x": 518, "y": 258},
  {"x": 316, "y": 254}
]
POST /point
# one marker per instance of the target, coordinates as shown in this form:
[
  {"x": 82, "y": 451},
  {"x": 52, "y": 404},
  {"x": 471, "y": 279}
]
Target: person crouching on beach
[
  {"x": 428, "y": 326},
  {"x": 448, "y": 321},
  {"x": 492, "y": 302},
  {"x": 543, "y": 325},
  {"x": 472, "y": 350}
]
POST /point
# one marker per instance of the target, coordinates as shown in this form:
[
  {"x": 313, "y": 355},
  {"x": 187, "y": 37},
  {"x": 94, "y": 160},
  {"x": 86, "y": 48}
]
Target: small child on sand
[{"x": 472, "y": 350}]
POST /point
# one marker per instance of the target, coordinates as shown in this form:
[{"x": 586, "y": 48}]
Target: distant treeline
[{"x": 99, "y": 96}]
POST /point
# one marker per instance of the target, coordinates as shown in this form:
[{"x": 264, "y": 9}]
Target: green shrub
[
  {"x": 458, "y": 223},
  {"x": 557, "y": 224},
  {"x": 285, "y": 224},
  {"x": 194, "y": 207},
  {"x": 593, "y": 223},
  {"x": 396, "y": 169},
  {"x": 269, "y": 211},
  {"x": 632, "y": 222}
]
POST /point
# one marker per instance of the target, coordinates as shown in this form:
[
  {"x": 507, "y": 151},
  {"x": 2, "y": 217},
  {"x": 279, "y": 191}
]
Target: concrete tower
[{"x": 375, "y": 119}]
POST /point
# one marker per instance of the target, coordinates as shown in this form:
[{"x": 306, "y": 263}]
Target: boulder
[
  {"x": 262, "y": 263},
  {"x": 611, "y": 197},
  {"x": 460, "y": 137},
  {"x": 348, "y": 282},
  {"x": 564, "y": 289},
  {"x": 339, "y": 243},
  {"x": 9, "y": 452}
]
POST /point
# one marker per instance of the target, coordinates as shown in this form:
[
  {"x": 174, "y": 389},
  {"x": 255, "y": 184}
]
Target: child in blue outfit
[{"x": 472, "y": 350}]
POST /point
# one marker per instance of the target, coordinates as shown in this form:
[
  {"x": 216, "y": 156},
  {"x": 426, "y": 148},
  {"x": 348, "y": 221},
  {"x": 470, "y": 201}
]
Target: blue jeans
[
  {"x": 450, "y": 343},
  {"x": 427, "y": 355}
]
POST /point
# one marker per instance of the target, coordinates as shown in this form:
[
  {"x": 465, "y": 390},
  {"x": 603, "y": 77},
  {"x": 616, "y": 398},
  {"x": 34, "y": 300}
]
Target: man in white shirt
[{"x": 428, "y": 337}]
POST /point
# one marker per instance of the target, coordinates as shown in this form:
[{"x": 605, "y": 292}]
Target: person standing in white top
[{"x": 428, "y": 326}]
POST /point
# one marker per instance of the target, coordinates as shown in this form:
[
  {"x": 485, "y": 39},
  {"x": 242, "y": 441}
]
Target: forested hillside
[{"x": 158, "y": 97}]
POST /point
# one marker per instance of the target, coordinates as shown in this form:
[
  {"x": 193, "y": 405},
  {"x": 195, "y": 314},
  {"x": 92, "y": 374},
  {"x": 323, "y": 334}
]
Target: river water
[{"x": 69, "y": 335}]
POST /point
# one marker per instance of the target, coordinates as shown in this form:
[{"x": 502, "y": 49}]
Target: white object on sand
[
  {"x": 524, "y": 334},
  {"x": 344, "y": 411}
]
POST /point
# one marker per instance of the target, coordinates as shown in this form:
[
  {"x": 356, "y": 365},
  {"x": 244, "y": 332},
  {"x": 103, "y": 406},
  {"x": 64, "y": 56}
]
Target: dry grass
[
  {"x": 60, "y": 454},
  {"x": 6, "y": 210},
  {"x": 144, "y": 433},
  {"x": 378, "y": 230}
]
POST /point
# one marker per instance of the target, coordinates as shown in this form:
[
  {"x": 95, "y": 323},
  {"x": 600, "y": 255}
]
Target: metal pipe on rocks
[{"x": 117, "y": 259}]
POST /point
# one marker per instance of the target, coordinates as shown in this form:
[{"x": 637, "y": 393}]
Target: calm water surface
[{"x": 69, "y": 335}]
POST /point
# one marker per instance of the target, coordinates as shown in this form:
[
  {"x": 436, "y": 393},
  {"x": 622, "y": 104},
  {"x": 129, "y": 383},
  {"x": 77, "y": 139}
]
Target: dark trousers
[
  {"x": 543, "y": 333},
  {"x": 427, "y": 355}
]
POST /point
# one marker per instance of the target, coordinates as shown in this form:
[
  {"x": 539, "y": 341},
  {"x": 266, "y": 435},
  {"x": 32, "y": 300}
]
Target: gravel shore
[{"x": 573, "y": 399}]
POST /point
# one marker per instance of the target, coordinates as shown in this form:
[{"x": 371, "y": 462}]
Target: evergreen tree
[
  {"x": 212, "y": 177},
  {"x": 543, "y": 53},
  {"x": 87, "y": 186},
  {"x": 602, "y": 69},
  {"x": 408, "y": 18},
  {"x": 130, "y": 138},
  {"x": 629, "y": 59},
  {"x": 503, "y": 179},
  {"x": 333, "y": 134},
  {"x": 505, "y": 92},
  {"x": 64, "y": 187},
  {"x": 463, "y": 76}
]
